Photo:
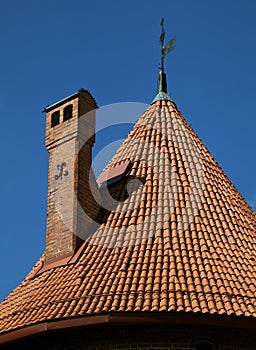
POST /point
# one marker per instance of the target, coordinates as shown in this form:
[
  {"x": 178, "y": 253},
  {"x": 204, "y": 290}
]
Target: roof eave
[{"x": 130, "y": 318}]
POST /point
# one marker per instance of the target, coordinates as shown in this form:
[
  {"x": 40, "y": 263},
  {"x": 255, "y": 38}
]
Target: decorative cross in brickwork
[{"x": 63, "y": 172}]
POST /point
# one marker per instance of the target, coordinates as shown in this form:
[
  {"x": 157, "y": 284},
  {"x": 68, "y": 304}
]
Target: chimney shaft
[{"x": 71, "y": 207}]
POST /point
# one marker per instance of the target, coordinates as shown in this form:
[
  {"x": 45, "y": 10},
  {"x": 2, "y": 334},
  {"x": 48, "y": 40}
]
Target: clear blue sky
[{"x": 51, "y": 48}]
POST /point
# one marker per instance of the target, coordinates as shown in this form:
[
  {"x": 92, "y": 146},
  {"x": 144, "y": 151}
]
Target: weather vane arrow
[{"x": 165, "y": 48}]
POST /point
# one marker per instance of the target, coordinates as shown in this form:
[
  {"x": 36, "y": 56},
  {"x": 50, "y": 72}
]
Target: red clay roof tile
[{"x": 183, "y": 241}]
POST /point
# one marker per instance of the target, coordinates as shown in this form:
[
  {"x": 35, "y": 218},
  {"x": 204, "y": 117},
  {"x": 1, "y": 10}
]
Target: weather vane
[{"x": 165, "y": 48}]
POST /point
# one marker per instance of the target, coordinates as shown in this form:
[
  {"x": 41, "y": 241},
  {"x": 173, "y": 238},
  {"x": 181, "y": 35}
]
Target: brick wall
[{"x": 141, "y": 337}]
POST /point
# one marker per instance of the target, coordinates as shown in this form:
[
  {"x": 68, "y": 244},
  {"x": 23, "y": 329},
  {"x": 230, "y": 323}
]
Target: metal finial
[
  {"x": 165, "y": 49},
  {"x": 162, "y": 36},
  {"x": 162, "y": 94}
]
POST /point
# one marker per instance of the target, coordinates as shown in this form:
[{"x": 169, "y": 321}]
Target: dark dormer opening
[
  {"x": 68, "y": 111},
  {"x": 55, "y": 118},
  {"x": 203, "y": 345},
  {"x": 113, "y": 175}
]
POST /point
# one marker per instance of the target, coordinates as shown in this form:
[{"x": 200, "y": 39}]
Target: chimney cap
[{"x": 66, "y": 99}]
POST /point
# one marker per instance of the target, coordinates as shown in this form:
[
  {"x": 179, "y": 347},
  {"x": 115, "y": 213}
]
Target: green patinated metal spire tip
[{"x": 162, "y": 94}]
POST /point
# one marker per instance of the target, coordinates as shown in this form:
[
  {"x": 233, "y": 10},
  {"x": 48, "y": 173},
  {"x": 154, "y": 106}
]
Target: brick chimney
[{"x": 71, "y": 207}]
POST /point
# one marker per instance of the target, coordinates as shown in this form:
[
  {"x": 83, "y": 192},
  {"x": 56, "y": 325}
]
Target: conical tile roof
[{"x": 175, "y": 236}]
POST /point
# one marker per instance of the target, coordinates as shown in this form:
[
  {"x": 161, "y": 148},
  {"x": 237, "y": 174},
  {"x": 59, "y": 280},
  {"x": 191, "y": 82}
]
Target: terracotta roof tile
[{"x": 183, "y": 240}]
